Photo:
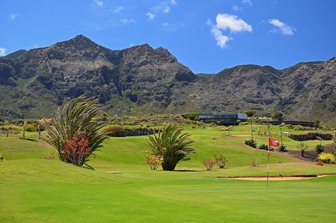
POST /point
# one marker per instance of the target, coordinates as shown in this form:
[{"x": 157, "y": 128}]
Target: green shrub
[
  {"x": 283, "y": 148},
  {"x": 326, "y": 157},
  {"x": 251, "y": 143},
  {"x": 221, "y": 161},
  {"x": 114, "y": 131},
  {"x": 319, "y": 148},
  {"x": 265, "y": 147},
  {"x": 30, "y": 128},
  {"x": 243, "y": 123}
]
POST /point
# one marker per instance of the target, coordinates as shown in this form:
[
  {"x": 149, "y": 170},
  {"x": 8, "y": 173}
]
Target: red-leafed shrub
[
  {"x": 76, "y": 150},
  {"x": 209, "y": 164},
  {"x": 319, "y": 163}
]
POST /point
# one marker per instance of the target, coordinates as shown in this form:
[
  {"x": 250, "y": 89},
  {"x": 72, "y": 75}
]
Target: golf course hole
[{"x": 275, "y": 178}]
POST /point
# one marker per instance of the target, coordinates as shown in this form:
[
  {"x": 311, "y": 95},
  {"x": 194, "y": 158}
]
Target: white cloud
[
  {"x": 166, "y": 9},
  {"x": 173, "y": 2},
  {"x": 247, "y": 2},
  {"x": 3, "y": 51},
  {"x": 118, "y": 9},
  {"x": 282, "y": 27},
  {"x": 220, "y": 37},
  {"x": 98, "y": 3},
  {"x": 232, "y": 23},
  {"x": 12, "y": 17},
  {"x": 165, "y": 24},
  {"x": 128, "y": 21},
  {"x": 150, "y": 15}
]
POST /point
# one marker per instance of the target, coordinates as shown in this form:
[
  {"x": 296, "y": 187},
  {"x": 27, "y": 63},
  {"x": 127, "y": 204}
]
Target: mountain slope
[{"x": 142, "y": 79}]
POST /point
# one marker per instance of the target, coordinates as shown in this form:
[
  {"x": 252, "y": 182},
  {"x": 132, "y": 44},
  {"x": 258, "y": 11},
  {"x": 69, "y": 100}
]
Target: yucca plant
[
  {"x": 172, "y": 145},
  {"x": 75, "y": 132},
  {"x": 326, "y": 157},
  {"x": 302, "y": 147}
]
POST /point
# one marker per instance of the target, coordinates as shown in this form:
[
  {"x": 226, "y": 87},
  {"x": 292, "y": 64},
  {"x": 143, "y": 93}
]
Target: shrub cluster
[
  {"x": 283, "y": 148},
  {"x": 251, "y": 143},
  {"x": 265, "y": 147},
  {"x": 122, "y": 131}
]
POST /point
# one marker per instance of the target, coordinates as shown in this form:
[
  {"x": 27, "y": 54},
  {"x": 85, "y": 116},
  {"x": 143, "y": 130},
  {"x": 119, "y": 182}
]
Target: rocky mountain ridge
[{"x": 141, "y": 79}]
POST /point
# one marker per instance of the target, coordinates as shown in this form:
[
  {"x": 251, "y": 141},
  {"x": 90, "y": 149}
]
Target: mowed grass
[{"x": 123, "y": 189}]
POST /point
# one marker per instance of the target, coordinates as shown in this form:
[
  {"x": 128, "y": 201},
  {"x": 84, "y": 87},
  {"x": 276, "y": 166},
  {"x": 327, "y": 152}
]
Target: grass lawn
[{"x": 123, "y": 189}]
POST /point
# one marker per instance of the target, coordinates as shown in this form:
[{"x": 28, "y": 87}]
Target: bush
[
  {"x": 114, "y": 131},
  {"x": 251, "y": 143},
  {"x": 172, "y": 145},
  {"x": 263, "y": 147},
  {"x": 326, "y": 157},
  {"x": 30, "y": 128},
  {"x": 221, "y": 161},
  {"x": 243, "y": 123},
  {"x": 319, "y": 163},
  {"x": 76, "y": 150},
  {"x": 153, "y": 162},
  {"x": 209, "y": 164},
  {"x": 319, "y": 148},
  {"x": 283, "y": 148}
]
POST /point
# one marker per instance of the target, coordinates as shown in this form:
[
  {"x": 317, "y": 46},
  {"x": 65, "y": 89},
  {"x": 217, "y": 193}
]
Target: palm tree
[
  {"x": 171, "y": 145},
  {"x": 302, "y": 147},
  {"x": 75, "y": 128}
]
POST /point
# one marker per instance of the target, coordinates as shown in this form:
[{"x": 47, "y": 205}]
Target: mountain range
[{"x": 142, "y": 79}]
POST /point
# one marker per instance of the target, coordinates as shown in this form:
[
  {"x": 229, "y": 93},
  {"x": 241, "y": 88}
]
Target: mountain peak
[{"x": 79, "y": 41}]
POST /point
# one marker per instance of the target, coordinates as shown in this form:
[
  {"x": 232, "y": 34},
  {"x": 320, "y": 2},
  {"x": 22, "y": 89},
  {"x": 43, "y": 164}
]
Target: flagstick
[{"x": 268, "y": 155}]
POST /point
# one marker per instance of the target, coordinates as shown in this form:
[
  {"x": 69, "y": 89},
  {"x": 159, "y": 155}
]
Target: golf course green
[{"x": 122, "y": 188}]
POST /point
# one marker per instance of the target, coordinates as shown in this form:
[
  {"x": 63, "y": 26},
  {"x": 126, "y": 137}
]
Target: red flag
[{"x": 273, "y": 142}]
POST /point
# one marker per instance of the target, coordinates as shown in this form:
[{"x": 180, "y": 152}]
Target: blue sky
[{"x": 205, "y": 35}]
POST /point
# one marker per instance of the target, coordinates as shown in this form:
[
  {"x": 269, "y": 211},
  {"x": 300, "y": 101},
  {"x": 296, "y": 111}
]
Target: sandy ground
[{"x": 273, "y": 178}]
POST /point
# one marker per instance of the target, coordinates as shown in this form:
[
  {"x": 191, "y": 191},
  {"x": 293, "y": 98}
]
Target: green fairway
[{"x": 123, "y": 189}]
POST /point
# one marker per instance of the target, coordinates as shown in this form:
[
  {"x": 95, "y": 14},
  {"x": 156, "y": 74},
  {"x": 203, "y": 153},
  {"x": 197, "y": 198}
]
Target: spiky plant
[
  {"x": 172, "y": 145},
  {"x": 302, "y": 147},
  {"x": 75, "y": 119}
]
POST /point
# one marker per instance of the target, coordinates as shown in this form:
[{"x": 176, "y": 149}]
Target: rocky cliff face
[{"x": 142, "y": 79}]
